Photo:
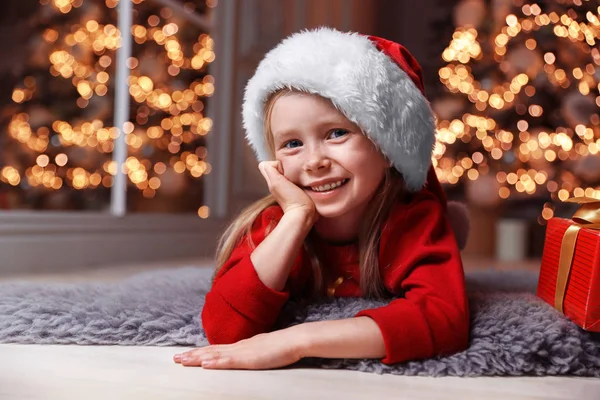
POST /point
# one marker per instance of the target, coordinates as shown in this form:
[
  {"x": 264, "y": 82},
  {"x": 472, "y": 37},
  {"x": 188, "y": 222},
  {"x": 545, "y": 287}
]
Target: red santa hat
[{"x": 374, "y": 82}]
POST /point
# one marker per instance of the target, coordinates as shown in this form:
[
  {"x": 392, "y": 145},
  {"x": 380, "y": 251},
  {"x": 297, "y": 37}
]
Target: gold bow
[{"x": 588, "y": 217}]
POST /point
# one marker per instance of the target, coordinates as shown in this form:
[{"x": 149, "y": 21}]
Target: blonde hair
[{"x": 389, "y": 191}]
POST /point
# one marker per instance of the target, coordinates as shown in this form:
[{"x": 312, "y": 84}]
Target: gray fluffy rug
[{"x": 513, "y": 332}]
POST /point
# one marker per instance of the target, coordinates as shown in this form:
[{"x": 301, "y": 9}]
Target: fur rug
[{"x": 512, "y": 332}]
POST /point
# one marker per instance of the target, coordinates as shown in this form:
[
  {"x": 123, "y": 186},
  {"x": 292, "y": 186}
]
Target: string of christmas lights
[
  {"x": 168, "y": 83},
  {"x": 505, "y": 131}
]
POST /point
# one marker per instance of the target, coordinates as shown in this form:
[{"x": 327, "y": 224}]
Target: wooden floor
[
  {"x": 112, "y": 372},
  {"x": 120, "y": 372}
]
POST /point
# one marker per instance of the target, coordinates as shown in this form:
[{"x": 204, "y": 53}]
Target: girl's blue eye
[
  {"x": 292, "y": 144},
  {"x": 337, "y": 133}
]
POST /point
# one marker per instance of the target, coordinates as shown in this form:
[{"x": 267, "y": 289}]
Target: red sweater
[{"x": 418, "y": 257}]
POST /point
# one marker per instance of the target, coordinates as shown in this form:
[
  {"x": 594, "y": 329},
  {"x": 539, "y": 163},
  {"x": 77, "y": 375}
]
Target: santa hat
[{"x": 375, "y": 83}]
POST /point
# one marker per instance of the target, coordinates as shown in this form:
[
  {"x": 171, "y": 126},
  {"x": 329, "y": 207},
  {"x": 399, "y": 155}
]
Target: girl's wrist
[
  {"x": 302, "y": 216},
  {"x": 300, "y": 340}
]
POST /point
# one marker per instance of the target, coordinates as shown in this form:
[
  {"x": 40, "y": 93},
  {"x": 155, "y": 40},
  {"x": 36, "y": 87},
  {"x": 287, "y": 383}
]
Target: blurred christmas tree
[
  {"x": 57, "y": 152},
  {"x": 521, "y": 118}
]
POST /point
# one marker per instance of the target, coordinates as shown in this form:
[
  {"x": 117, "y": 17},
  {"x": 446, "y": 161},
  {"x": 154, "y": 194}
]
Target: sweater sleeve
[
  {"x": 420, "y": 260},
  {"x": 239, "y": 305}
]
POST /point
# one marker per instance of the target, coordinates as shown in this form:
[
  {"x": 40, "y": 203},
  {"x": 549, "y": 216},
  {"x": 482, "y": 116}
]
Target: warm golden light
[
  {"x": 204, "y": 212},
  {"x": 527, "y": 142}
]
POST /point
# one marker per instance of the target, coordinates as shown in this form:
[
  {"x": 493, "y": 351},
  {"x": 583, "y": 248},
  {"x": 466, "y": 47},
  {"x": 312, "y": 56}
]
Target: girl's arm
[
  {"x": 274, "y": 257},
  {"x": 241, "y": 303},
  {"x": 345, "y": 338},
  {"x": 250, "y": 288}
]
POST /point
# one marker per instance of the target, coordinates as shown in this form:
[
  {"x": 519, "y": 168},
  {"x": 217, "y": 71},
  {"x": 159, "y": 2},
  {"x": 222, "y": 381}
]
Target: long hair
[{"x": 389, "y": 191}]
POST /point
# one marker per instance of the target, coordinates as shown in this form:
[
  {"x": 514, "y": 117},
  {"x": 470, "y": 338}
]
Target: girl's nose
[{"x": 317, "y": 162}]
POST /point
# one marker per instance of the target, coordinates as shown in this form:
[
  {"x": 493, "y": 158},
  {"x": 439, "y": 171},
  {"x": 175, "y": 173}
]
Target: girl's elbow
[
  {"x": 466, "y": 330},
  {"x": 221, "y": 334},
  {"x": 213, "y": 335},
  {"x": 217, "y": 330},
  {"x": 218, "y": 322},
  {"x": 453, "y": 342},
  {"x": 226, "y": 330},
  {"x": 461, "y": 332},
  {"x": 215, "y": 338},
  {"x": 462, "y": 340},
  {"x": 453, "y": 335}
]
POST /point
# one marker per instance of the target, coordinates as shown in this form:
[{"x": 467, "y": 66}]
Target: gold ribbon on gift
[{"x": 588, "y": 217}]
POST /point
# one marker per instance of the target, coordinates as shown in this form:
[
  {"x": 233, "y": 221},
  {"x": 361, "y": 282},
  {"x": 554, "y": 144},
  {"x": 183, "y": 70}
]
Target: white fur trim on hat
[{"x": 368, "y": 87}]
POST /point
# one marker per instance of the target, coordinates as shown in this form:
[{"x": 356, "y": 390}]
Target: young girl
[{"x": 355, "y": 210}]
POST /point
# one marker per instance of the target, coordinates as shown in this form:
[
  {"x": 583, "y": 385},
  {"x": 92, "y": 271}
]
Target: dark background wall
[{"x": 424, "y": 27}]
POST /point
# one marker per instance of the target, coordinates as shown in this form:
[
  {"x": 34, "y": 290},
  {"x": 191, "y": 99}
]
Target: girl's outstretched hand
[
  {"x": 289, "y": 196},
  {"x": 264, "y": 351}
]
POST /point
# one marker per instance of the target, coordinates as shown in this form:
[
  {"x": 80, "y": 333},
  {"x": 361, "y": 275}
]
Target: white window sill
[{"x": 43, "y": 242}]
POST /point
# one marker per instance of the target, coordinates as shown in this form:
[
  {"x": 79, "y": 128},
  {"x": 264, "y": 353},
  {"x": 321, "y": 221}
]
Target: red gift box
[{"x": 570, "y": 272}]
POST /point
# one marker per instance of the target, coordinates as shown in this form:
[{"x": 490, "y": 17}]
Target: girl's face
[{"x": 325, "y": 154}]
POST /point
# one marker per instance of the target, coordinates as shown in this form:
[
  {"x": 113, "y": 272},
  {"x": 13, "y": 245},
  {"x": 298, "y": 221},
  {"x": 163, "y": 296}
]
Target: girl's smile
[{"x": 327, "y": 186}]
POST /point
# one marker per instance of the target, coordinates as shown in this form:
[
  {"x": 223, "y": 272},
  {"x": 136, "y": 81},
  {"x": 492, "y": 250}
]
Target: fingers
[
  {"x": 279, "y": 167},
  {"x": 269, "y": 166},
  {"x": 262, "y": 168},
  {"x": 276, "y": 164},
  {"x": 271, "y": 171},
  {"x": 219, "y": 363},
  {"x": 205, "y": 357}
]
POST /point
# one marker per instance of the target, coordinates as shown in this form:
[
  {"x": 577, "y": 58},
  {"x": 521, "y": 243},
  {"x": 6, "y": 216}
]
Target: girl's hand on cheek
[{"x": 290, "y": 197}]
